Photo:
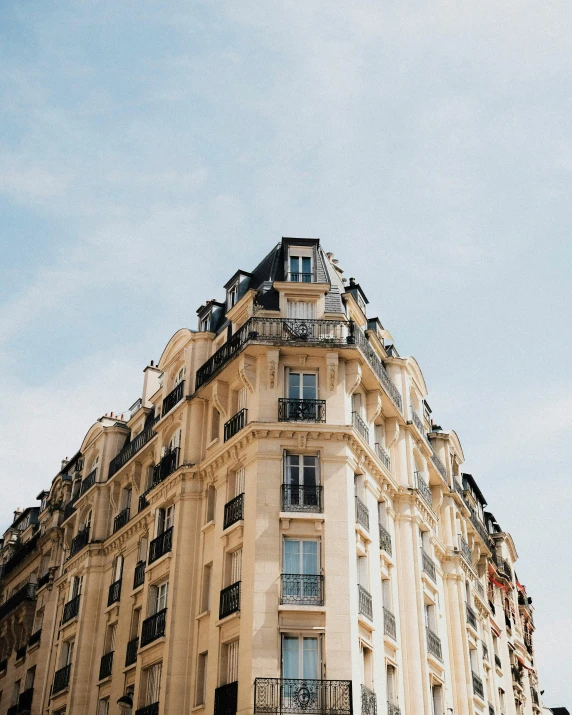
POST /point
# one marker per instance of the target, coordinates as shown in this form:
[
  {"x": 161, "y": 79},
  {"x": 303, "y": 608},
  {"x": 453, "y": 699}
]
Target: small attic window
[
  {"x": 232, "y": 296},
  {"x": 300, "y": 264},
  {"x": 205, "y": 323}
]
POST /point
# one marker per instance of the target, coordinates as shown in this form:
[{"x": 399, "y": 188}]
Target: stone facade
[{"x": 279, "y": 526}]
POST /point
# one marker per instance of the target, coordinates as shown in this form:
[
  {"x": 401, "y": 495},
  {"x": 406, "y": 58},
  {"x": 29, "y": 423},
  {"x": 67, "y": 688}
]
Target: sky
[{"x": 148, "y": 150}]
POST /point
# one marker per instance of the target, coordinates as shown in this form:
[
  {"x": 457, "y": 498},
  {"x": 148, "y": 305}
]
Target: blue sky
[{"x": 148, "y": 150}]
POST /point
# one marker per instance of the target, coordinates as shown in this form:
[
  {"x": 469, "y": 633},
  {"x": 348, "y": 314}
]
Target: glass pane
[
  {"x": 310, "y": 557},
  {"x": 291, "y": 556},
  {"x": 306, "y": 269},
  {"x": 293, "y": 469},
  {"x": 294, "y": 386},
  {"x": 310, "y": 664},
  {"x": 309, "y": 387},
  {"x": 294, "y": 265},
  {"x": 310, "y": 471},
  {"x": 290, "y": 664}
]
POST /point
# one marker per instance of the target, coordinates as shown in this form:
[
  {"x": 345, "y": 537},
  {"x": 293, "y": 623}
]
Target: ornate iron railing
[
  {"x": 152, "y": 709},
  {"x": 389, "y": 625},
  {"x": 106, "y": 665},
  {"x": 69, "y": 508},
  {"x": 385, "y": 540},
  {"x": 43, "y": 580},
  {"x": 79, "y": 541},
  {"x": 88, "y": 482},
  {"x": 383, "y": 456},
  {"x": 175, "y": 396},
  {"x": 233, "y": 511},
  {"x": 291, "y": 410},
  {"x": 139, "y": 574},
  {"x": 428, "y": 565},
  {"x": 161, "y": 545},
  {"x": 365, "y": 603},
  {"x": 131, "y": 449},
  {"x": 153, "y": 627},
  {"x": 465, "y": 550},
  {"x": 26, "y": 593},
  {"x": 361, "y": 426},
  {"x": 362, "y": 514},
  {"x": 225, "y": 699},
  {"x": 478, "y": 686},
  {"x": 434, "y": 644},
  {"x": 290, "y": 696},
  {"x": 299, "y": 497},
  {"x": 423, "y": 488},
  {"x": 302, "y": 589},
  {"x": 235, "y": 424},
  {"x": 61, "y": 679},
  {"x": 22, "y": 551},
  {"x": 417, "y": 421},
  {"x": 393, "y": 709},
  {"x": 71, "y": 609},
  {"x": 471, "y": 618},
  {"x": 229, "y": 600},
  {"x": 358, "y": 337},
  {"x": 458, "y": 488},
  {"x": 35, "y": 637},
  {"x": 114, "y": 593},
  {"x": 368, "y": 701},
  {"x": 165, "y": 467},
  {"x": 301, "y": 277},
  {"x": 25, "y": 700},
  {"x": 481, "y": 530},
  {"x": 120, "y": 520},
  {"x": 438, "y": 464},
  {"x": 131, "y": 652}
]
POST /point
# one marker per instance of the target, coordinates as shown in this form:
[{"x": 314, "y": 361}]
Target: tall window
[
  {"x": 301, "y": 557},
  {"x": 362, "y": 572},
  {"x": 117, "y": 568},
  {"x": 206, "y": 592},
  {"x": 232, "y": 296},
  {"x": 66, "y": 653},
  {"x": 110, "y": 637},
  {"x": 235, "y": 573},
  {"x": 436, "y": 700},
  {"x": 180, "y": 376},
  {"x": 165, "y": 519},
  {"x": 30, "y": 678},
  {"x": 301, "y": 479},
  {"x": 431, "y": 617},
  {"x": 215, "y": 423},
  {"x": 201, "y": 678},
  {"x": 152, "y": 684},
  {"x": 158, "y": 598},
  {"x": 76, "y": 585},
  {"x": 300, "y": 265},
  {"x": 15, "y": 692},
  {"x": 126, "y": 498},
  {"x": 232, "y": 662},
  {"x": 391, "y": 675},
  {"x": 205, "y": 324},
  {"x": 38, "y": 620},
  {"x": 103, "y": 706},
  {"x": 302, "y": 386},
  {"x": 300, "y": 657}
]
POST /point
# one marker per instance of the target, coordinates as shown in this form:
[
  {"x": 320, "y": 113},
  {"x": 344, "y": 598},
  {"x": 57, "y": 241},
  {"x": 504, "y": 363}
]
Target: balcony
[
  {"x": 79, "y": 542},
  {"x": 139, "y": 574},
  {"x": 131, "y": 652},
  {"x": 368, "y": 701},
  {"x": 465, "y": 550},
  {"x": 288, "y": 696},
  {"x": 161, "y": 545},
  {"x": 481, "y": 530},
  {"x": 69, "y": 508},
  {"x": 428, "y": 566},
  {"x": 389, "y": 625},
  {"x": 88, "y": 482},
  {"x": 153, "y": 627},
  {"x": 61, "y": 679},
  {"x": 417, "y": 421},
  {"x": 358, "y": 337},
  {"x": 301, "y": 277},
  {"x": 393, "y": 709},
  {"x": 383, "y": 456},
  {"x": 71, "y": 609},
  {"x": 225, "y": 699},
  {"x": 299, "y": 497},
  {"x": 106, "y": 665},
  {"x": 360, "y": 426},
  {"x": 233, "y": 511},
  {"x": 114, "y": 593},
  {"x": 235, "y": 424},
  {"x": 438, "y": 464},
  {"x": 26, "y": 593},
  {"x": 291, "y": 410},
  {"x": 23, "y": 550},
  {"x": 502, "y": 567},
  {"x": 25, "y": 701},
  {"x": 385, "y": 540},
  {"x": 35, "y": 637},
  {"x": 362, "y": 514},
  {"x": 120, "y": 520},
  {"x": 478, "y": 689},
  {"x": 131, "y": 449},
  {"x": 434, "y": 644},
  {"x": 152, "y": 709},
  {"x": 471, "y": 618},
  {"x": 364, "y": 603},
  {"x": 423, "y": 489},
  {"x": 229, "y": 600},
  {"x": 165, "y": 467},
  {"x": 175, "y": 396},
  {"x": 302, "y": 589},
  {"x": 21, "y": 652}
]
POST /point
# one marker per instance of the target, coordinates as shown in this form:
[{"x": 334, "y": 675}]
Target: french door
[{"x": 301, "y": 580}]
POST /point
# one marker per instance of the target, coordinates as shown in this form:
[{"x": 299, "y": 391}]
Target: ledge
[
  {"x": 149, "y": 646},
  {"x": 228, "y": 618},
  {"x": 301, "y": 608}
]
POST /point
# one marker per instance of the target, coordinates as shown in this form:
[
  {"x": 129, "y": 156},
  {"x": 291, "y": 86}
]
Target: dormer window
[
  {"x": 300, "y": 265},
  {"x": 232, "y": 296},
  {"x": 205, "y": 324}
]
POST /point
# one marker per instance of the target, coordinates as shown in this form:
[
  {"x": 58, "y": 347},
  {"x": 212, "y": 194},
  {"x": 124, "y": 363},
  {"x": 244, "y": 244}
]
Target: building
[{"x": 278, "y": 527}]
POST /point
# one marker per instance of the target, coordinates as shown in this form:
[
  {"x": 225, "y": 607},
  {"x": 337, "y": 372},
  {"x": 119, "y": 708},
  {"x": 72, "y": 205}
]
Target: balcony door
[
  {"x": 302, "y": 386},
  {"x": 301, "y": 268},
  {"x": 300, "y": 660},
  {"x": 301, "y": 480},
  {"x": 301, "y": 570}
]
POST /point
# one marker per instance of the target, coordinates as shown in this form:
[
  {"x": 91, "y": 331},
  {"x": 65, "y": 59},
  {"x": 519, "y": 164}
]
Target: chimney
[
  {"x": 64, "y": 463},
  {"x": 18, "y": 512},
  {"x": 352, "y": 281}
]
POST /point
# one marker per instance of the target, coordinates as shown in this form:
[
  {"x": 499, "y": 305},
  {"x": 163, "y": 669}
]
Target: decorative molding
[
  {"x": 272, "y": 357},
  {"x": 247, "y": 372},
  {"x": 332, "y": 362},
  {"x": 353, "y": 376}
]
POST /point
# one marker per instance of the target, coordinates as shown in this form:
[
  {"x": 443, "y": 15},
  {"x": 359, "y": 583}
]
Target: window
[
  {"x": 152, "y": 684},
  {"x": 103, "y": 707},
  {"x": 87, "y": 522},
  {"x": 201, "y": 678},
  {"x": 110, "y": 637},
  {"x": 38, "y": 620},
  {"x": 215, "y": 423},
  {"x": 15, "y": 692},
  {"x": 431, "y": 617},
  {"x": 206, "y": 592},
  {"x": 367, "y": 666},
  {"x": 301, "y": 310},
  {"x": 302, "y": 385},
  {"x": 30, "y": 678},
  {"x": 66, "y": 653},
  {"x": 232, "y": 296},
  {"x": 76, "y": 584},
  {"x": 175, "y": 441},
  {"x": 436, "y": 700},
  {"x": 235, "y": 567},
  {"x": 387, "y": 594},
  {"x": 135, "y": 619},
  {"x": 362, "y": 572},
  {"x": 231, "y": 654},
  {"x": 117, "y": 568},
  {"x": 142, "y": 551},
  {"x": 164, "y": 519},
  {"x": 158, "y": 598},
  {"x": 357, "y": 403},
  {"x": 300, "y": 657},
  {"x": 301, "y": 470},
  {"x": 391, "y": 674},
  {"x": 205, "y": 324},
  {"x": 126, "y": 499},
  {"x": 502, "y": 701},
  {"x": 180, "y": 376},
  {"x": 211, "y": 503},
  {"x": 301, "y": 557},
  {"x": 300, "y": 265}
]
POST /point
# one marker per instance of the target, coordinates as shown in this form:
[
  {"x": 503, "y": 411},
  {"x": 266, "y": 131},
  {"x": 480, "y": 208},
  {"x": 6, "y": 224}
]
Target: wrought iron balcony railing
[
  {"x": 61, "y": 679},
  {"x": 23, "y": 550},
  {"x": 478, "y": 689},
  {"x": 71, "y": 609},
  {"x": 458, "y": 488},
  {"x": 225, "y": 699},
  {"x": 438, "y": 464},
  {"x": 434, "y": 644},
  {"x": 131, "y": 449},
  {"x": 291, "y": 410},
  {"x": 358, "y": 337},
  {"x": 88, "y": 482},
  {"x": 25, "y": 701},
  {"x": 288, "y": 696},
  {"x": 26, "y": 593},
  {"x": 417, "y": 421},
  {"x": 235, "y": 424},
  {"x": 389, "y": 625},
  {"x": 69, "y": 508},
  {"x": 161, "y": 545},
  {"x": 165, "y": 467},
  {"x": 79, "y": 542},
  {"x": 35, "y": 637},
  {"x": 362, "y": 514},
  {"x": 393, "y": 709},
  {"x": 12, "y": 710},
  {"x": 423, "y": 489},
  {"x": 114, "y": 593},
  {"x": 368, "y": 701},
  {"x": 299, "y": 497},
  {"x": 385, "y": 540},
  {"x": 4, "y": 665},
  {"x": 491, "y": 709},
  {"x": 139, "y": 574},
  {"x": 153, "y": 627},
  {"x": 233, "y": 511},
  {"x": 365, "y": 606},
  {"x": 301, "y": 277},
  {"x": 428, "y": 565},
  {"x": 120, "y": 520},
  {"x": 106, "y": 665},
  {"x": 152, "y": 709},
  {"x": 360, "y": 425},
  {"x": 229, "y": 600},
  {"x": 471, "y": 618},
  {"x": 43, "y": 580},
  {"x": 383, "y": 456},
  {"x": 502, "y": 567},
  {"x": 302, "y": 589},
  {"x": 465, "y": 550},
  {"x": 131, "y": 652},
  {"x": 479, "y": 588},
  {"x": 175, "y": 396}
]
